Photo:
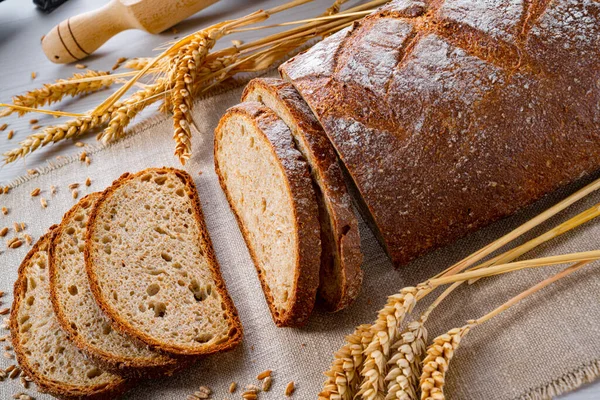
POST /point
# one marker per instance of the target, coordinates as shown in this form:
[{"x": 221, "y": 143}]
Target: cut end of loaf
[
  {"x": 268, "y": 186},
  {"x": 152, "y": 268}
]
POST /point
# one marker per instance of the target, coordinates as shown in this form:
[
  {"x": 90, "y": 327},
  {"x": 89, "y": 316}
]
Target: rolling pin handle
[{"x": 76, "y": 38}]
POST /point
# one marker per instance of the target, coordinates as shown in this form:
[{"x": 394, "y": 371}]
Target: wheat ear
[
  {"x": 440, "y": 353},
  {"x": 193, "y": 55},
  {"x": 54, "y": 92},
  {"x": 52, "y": 134},
  {"x": 342, "y": 379}
]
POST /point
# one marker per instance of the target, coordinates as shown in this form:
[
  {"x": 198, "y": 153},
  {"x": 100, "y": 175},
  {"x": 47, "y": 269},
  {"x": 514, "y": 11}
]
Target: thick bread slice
[
  {"x": 268, "y": 185},
  {"x": 76, "y": 308},
  {"x": 43, "y": 351},
  {"x": 341, "y": 258},
  {"x": 152, "y": 268}
]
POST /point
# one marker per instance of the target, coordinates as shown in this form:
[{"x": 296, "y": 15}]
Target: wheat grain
[
  {"x": 54, "y": 92},
  {"x": 16, "y": 227},
  {"x": 3, "y": 231},
  {"x": 290, "y": 389},
  {"x": 264, "y": 374},
  {"x": 267, "y": 382},
  {"x": 35, "y": 192},
  {"x": 33, "y": 121},
  {"x": 43, "y": 202},
  {"x": 232, "y": 387},
  {"x": 3, "y": 127},
  {"x": 75, "y": 194},
  {"x": 88, "y": 181},
  {"x": 80, "y": 66},
  {"x": 4, "y": 210},
  {"x": 74, "y": 185},
  {"x": 11, "y": 133}
]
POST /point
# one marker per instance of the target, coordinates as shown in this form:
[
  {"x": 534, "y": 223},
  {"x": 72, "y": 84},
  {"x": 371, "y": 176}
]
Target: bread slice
[
  {"x": 152, "y": 268},
  {"x": 341, "y": 258},
  {"x": 77, "y": 311},
  {"x": 43, "y": 351},
  {"x": 268, "y": 185}
]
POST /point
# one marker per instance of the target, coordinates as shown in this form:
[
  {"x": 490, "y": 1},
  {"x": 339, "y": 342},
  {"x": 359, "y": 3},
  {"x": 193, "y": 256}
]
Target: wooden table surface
[{"x": 21, "y": 28}]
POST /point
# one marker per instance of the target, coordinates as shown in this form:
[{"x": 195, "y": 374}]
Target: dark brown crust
[
  {"x": 339, "y": 227},
  {"x": 59, "y": 390},
  {"x": 305, "y": 210},
  {"x": 469, "y": 122},
  {"x": 236, "y": 330},
  {"x": 130, "y": 367}
]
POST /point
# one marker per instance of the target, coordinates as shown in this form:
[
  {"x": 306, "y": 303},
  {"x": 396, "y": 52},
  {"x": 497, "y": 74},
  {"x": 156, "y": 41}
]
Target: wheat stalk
[
  {"x": 55, "y": 92},
  {"x": 441, "y": 351}
]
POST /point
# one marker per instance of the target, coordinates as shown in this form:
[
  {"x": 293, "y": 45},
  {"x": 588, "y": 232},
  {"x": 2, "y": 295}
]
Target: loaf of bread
[
  {"x": 268, "y": 185},
  {"x": 452, "y": 114},
  {"x": 340, "y": 275},
  {"x": 43, "y": 351},
  {"x": 152, "y": 269},
  {"x": 76, "y": 308}
]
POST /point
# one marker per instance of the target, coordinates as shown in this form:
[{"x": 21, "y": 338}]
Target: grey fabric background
[{"x": 547, "y": 344}]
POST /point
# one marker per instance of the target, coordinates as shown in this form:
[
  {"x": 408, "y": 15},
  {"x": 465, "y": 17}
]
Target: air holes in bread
[
  {"x": 146, "y": 177},
  {"x": 32, "y": 284},
  {"x": 106, "y": 328},
  {"x": 107, "y": 249},
  {"x": 70, "y": 230},
  {"x": 203, "y": 338},
  {"x": 93, "y": 373},
  {"x": 159, "y": 308},
  {"x": 153, "y": 289},
  {"x": 180, "y": 192},
  {"x": 160, "y": 180},
  {"x": 166, "y": 256},
  {"x": 73, "y": 290},
  {"x": 30, "y": 300}
]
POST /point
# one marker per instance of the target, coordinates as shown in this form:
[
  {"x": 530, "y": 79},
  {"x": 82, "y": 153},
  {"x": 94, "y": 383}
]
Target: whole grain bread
[
  {"x": 341, "y": 258},
  {"x": 152, "y": 268},
  {"x": 43, "y": 351},
  {"x": 76, "y": 308},
  {"x": 452, "y": 114},
  {"x": 268, "y": 185}
]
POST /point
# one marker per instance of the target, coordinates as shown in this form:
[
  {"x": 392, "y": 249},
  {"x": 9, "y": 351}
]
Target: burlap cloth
[{"x": 546, "y": 345}]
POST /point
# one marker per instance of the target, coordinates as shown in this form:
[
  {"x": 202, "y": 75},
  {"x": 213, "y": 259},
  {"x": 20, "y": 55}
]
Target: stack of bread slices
[
  {"x": 285, "y": 185},
  {"x": 126, "y": 287}
]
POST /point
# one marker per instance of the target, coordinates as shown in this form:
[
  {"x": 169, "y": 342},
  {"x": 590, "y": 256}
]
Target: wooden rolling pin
[{"x": 79, "y": 36}]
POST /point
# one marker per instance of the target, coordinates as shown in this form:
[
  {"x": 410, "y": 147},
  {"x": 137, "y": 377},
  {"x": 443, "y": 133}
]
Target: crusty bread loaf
[
  {"x": 77, "y": 311},
  {"x": 340, "y": 275},
  {"x": 43, "y": 351},
  {"x": 151, "y": 265},
  {"x": 268, "y": 185},
  {"x": 452, "y": 114}
]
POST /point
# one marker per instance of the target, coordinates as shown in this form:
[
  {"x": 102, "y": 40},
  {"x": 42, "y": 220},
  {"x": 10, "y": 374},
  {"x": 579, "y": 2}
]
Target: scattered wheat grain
[
  {"x": 205, "y": 389},
  {"x": 15, "y": 245},
  {"x": 1, "y": 293},
  {"x": 88, "y": 181},
  {"x": 3, "y": 127},
  {"x": 80, "y": 66},
  {"x": 74, "y": 194},
  {"x": 87, "y": 160},
  {"x": 201, "y": 395},
  {"x": 252, "y": 388},
  {"x": 16, "y": 227},
  {"x": 120, "y": 61},
  {"x": 23, "y": 226},
  {"x": 266, "y": 385},
  {"x": 82, "y": 156},
  {"x": 232, "y": 387},
  {"x": 43, "y": 202},
  {"x": 237, "y": 43},
  {"x": 3, "y": 231},
  {"x": 79, "y": 144},
  {"x": 8, "y": 355},
  {"x": 11, "y": 133},
  {"x": 4, "y": 210},
  {"x": 73, "y": 186},
  {"x": 28, "y": 239},
  {"x": 31, "y": 172},
  {"x": 24, "y": 382},
  {"x": 6, "y": 189},
  {"x": 35, "y": 127},
  {"x": 290, "y": 388},
  {"x": 10, "y": 368},
  {"x": 249, "y": 396},
  {"x": 35, "y": 192},
  {"x": 33, "y": 121},
  {"x": 33, "y": 75},
  {"x": 263, "y": 375},
  {"x": 4, "y": 311},
  {"x": 15, "y": 373},
  {"x": 53, "y": 189}
]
